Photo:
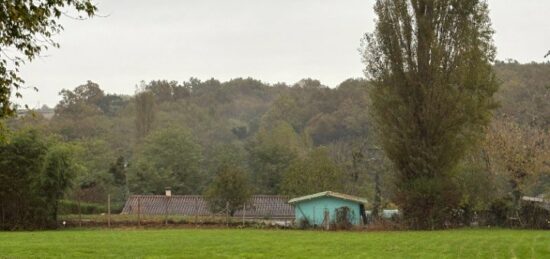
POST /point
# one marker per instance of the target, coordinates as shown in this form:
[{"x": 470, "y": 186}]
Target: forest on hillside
[{"x": 283, "y": 139}]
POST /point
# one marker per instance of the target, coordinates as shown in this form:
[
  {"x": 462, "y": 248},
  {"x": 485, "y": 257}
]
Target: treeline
[{"x": 280, "y": 139}]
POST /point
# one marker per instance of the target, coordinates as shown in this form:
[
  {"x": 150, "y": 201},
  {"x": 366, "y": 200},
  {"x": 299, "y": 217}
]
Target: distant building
[
  {"x": 265, "y": 207},
  {"x": 385, "y": 213},
  {"x": 322, "y": 209},
  {"x": 538, "y": 201},
  {"x": 45, "y": 111}
]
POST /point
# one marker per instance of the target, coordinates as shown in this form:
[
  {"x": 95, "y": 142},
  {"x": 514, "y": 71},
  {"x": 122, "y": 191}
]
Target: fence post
[
  {"x": 244, "y": 212},
  {"x": 3, "y": 216},
  {"x": 313, "y": 216},
  {"x": 109, "y": 210},
  {"x": 227, "y": 213},
  {"x": 139, "y": 210},
  {"x": 79, "y": 211},
  {"x": 166, "y": 210},
  {"x": 196, "y": 210},
  {"x": 326, "y": 219}
]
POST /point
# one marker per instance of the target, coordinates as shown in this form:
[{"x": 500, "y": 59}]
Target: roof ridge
[
  {"x": 330, "y": 194},
  {"x": 199, "y": 195},
  {"x": 263, "y": 206}
]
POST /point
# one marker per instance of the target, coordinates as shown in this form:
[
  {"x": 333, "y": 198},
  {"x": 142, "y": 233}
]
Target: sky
[{"x": 270, "y": 40}]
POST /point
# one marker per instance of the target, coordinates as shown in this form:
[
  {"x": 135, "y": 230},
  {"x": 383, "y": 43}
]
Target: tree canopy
[
  {"x": 168, "y": 158},
  {"x": 229, "y": 190},
  {"x": 245, "y": 123},
  {"x": 432, "y": 95}
]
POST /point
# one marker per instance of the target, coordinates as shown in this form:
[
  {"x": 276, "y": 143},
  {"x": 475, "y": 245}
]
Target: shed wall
[{"x": 314, "y": 210}]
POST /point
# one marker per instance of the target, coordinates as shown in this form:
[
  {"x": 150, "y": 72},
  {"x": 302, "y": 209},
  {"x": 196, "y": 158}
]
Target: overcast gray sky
[{"x": 273, "y": 41}]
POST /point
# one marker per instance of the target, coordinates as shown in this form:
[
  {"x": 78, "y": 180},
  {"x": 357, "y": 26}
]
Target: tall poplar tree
[
  {"x": 145, "y": 113},
  {"x": 429, "y": 62}
]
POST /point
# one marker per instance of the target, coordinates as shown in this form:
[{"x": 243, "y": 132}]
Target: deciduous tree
[
  {"x": 229, "y": 190},
  {"x": 432, "y": 85},
  {"x": 316, "y": 173},
  {"x": 34, "y": 175},
  {"x": 271, "y": 152},
  {"x": 168, "y": 157},
  {"x": 518, "y": 153}
]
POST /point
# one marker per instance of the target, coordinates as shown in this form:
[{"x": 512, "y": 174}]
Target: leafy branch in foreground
[{"x": 26, "y": 29}]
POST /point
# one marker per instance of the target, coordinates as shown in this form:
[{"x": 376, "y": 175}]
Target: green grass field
[{"x": 247, "y": 243}]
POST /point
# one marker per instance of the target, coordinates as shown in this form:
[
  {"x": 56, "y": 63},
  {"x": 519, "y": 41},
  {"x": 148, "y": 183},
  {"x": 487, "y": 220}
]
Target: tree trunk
[{"x": 377, "y": 197}]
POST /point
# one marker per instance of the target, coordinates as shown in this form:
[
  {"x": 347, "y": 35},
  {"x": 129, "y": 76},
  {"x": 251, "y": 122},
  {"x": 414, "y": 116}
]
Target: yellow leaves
[{"x": 517, "y": 151}]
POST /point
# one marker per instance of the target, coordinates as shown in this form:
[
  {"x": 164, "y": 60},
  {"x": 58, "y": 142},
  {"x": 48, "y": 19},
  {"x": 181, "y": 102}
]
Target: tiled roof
[
  {"x": 330, "y": 194},
  {"x": 260, "y": 206}
]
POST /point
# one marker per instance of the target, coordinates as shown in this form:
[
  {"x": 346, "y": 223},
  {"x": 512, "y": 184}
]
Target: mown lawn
[{"x": 247, "y": 243}]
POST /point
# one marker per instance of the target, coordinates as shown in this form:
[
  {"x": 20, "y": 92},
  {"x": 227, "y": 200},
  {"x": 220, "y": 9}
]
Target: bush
[
  {"x": 344, "y": 218},
  {"x": 303, "y": 223},
  {"x": 67, "y": 207},
  {"x": 534, "y": 216},
  {"x": 71, "y": 207},
  {"x": 498, "y": 213}
]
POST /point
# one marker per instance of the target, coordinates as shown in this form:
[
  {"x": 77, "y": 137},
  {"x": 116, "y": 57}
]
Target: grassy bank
[{"x": 239, "y": 243}]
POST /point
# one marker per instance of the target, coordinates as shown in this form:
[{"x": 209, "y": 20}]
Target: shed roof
[
  {"x": 260, "y": 206},
  {"x": 329, "y": 194}
]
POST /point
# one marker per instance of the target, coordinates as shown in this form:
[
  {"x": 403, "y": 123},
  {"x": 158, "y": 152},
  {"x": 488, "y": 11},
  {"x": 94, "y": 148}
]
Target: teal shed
[{"x": 321, "y": 209}]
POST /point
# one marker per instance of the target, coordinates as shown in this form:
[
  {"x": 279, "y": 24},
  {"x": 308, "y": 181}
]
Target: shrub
[
  {"x": 534, "y": 216},
  {"x": 344, "y": 218},
  {"x": 303, "y": 223},
  {"x": 71, "y": 207}
]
